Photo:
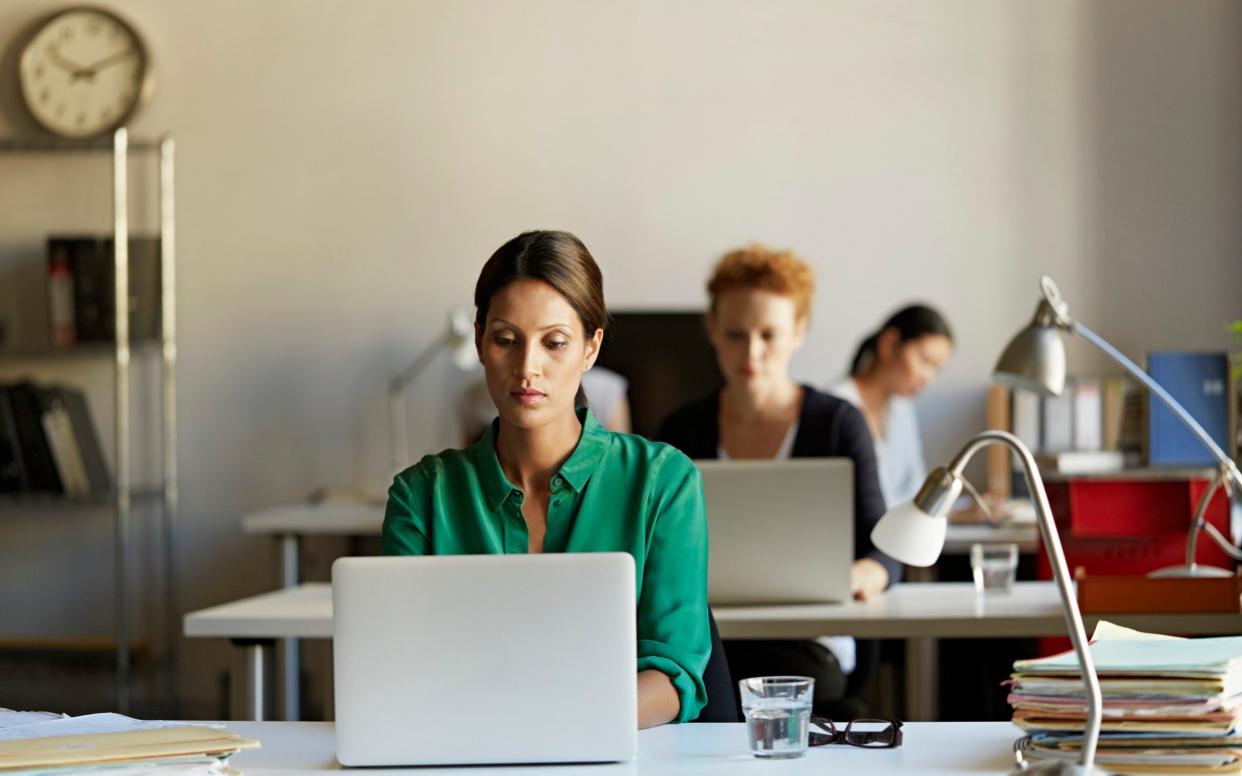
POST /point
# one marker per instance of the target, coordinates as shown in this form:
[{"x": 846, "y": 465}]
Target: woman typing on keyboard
[{"x": 548, "y": 477}]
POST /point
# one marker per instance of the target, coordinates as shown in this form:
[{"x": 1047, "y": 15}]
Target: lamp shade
[
  {"x": 461, "y": 337},
  {"x": 910, "y": 535},
  {"x": 1034, "y": 360}
]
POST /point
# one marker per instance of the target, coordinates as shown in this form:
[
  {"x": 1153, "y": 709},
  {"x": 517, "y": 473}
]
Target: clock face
[{"x": 83, "y": 72}]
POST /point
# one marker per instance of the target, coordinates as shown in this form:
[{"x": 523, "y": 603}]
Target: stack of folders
[
  {"x": 1170, "y": 705},
  {"x": 112, "y": 745}
]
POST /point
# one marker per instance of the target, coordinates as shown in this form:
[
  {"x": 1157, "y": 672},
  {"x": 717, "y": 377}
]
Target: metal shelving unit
[{"x": 123, "y": 497}]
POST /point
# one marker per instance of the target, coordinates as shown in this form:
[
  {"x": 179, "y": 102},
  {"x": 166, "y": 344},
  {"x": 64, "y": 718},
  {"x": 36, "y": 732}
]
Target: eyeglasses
[{"x": 865, "y": 733}]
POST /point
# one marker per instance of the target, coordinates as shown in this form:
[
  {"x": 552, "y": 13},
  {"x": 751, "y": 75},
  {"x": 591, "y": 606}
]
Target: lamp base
[
  {"x": 1058, "y": 768},
  {"x": 1192, "y": 570}
]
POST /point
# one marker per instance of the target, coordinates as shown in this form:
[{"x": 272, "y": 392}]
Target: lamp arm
[
  {"x": 1200, "y": 523},
  {"x": 398, "y": 443},
  {"x": 1060, "y": 572},
  {"x": 1227, "y": 469}
]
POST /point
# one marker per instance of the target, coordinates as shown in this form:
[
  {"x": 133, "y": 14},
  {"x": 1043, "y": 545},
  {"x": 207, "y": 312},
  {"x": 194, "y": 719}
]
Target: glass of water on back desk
[{"x": 778, "y": 714}]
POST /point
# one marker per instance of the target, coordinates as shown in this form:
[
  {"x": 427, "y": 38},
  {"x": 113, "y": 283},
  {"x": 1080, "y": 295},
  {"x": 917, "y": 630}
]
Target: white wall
[{"x": 345, "y": 168}]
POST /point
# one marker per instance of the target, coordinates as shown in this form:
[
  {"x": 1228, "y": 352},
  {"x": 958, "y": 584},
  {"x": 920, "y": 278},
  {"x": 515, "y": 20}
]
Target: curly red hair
[{"x": 759, "y": 267}]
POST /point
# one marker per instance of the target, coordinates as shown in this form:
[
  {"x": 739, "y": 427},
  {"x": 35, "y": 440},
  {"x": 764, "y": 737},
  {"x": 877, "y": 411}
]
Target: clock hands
[
  {"x": 85, "y": 72},
  {"x": 63, "y": 62},
  {"x": 95, "y": 67}
]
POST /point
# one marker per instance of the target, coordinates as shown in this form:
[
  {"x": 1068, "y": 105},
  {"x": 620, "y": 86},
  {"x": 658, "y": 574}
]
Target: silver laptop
[
  {"x": 780, "y": 532},
  {"x": 485, "y": 659}
]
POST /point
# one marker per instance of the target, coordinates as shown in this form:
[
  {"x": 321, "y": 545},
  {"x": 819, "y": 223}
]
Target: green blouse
[{"x": 615, "y": 493}]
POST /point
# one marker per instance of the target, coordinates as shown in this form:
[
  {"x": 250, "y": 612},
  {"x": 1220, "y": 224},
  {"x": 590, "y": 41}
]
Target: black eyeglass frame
[{"x": 866, "y": 739}]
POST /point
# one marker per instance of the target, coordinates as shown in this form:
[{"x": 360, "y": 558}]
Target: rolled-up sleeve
[
  {"x": 673, "y": 633},
  {"x": 404, "y": 531}
]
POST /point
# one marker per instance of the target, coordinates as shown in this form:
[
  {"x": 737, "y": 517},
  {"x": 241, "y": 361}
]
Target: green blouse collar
[{"x": 575, "y": 472}]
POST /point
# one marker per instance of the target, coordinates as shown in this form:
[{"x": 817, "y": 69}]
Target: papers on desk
[
  {"x": 1170, "y": 705},
  {"x": 112, "y": 745}
]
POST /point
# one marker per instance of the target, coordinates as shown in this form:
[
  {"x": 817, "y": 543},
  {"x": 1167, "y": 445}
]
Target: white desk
[
  {"x": 289, "y": 523},
  {"x": 907, "y": 611},
  {"x": 928, "y": 748}
]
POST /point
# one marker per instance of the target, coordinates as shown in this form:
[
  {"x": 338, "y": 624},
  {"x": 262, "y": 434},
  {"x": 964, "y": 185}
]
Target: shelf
[
  {"x": 13, "y": 145},
  {"x": 48, "y": 503},
  {"x": 81, "y": 350},
  {"x": 1145, "y": 474}
]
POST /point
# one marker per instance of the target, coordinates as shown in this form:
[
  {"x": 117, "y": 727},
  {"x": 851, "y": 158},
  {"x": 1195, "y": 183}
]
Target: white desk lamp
[
  {"x": 1035, "y": 360},
  {"x": 458, "y": 338},
  {"x": 914, "y": 532}
]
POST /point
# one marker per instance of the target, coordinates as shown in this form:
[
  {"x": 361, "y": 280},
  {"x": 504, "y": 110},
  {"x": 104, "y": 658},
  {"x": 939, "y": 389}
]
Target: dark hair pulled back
[
  {"x": 557, "y": 258},
  {"x": 911, "y": 323}
]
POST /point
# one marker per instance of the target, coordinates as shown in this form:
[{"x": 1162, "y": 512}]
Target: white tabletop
[
  {"x": 327, "y": 518},
  {"x": 928, "y": 748},
  {"x": 938, "y": 609},
  {"x": 304, "y": 611}
]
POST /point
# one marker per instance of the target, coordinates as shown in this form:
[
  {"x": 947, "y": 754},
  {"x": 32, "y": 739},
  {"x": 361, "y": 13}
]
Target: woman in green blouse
[{"x": 547, "y": 477}]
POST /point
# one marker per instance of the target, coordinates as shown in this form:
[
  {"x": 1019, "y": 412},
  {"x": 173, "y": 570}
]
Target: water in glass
[{"x": 778, "y": 726}]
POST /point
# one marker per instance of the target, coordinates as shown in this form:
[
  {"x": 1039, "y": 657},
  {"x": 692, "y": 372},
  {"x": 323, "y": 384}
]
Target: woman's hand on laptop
[{"x": 867, "y": 578}]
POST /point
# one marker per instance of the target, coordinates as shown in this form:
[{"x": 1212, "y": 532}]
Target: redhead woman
[{"x": 759, "y": 311}]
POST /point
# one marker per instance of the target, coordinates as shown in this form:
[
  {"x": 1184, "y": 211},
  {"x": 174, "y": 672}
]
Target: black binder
[
  {"x": 91, "y": 260},
  {"x": 40, "y": 468},
  {"x": 12, "y": 470}
]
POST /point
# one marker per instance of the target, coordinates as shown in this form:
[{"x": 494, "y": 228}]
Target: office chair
[{"x": 722, "y": 702}]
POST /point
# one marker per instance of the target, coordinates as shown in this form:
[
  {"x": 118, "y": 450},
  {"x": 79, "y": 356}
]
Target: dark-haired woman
[
  {"x": 890, "y": 368},
  {"x": 547, "y": 477}
]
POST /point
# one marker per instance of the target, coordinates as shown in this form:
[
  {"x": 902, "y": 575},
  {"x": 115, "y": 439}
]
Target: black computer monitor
[{"x": 667, "y": 359}]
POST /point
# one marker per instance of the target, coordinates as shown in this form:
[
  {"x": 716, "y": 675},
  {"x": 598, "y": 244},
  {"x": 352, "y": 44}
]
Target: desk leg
[
  {"x": 921, "y": 679},
  {"x": 290, "y": 668},
  {"x": 922, "y": 665},
  {"x": 249, "y": 678}
]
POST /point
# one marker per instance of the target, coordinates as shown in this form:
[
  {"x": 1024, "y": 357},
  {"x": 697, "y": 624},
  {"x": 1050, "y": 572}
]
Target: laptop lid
[
  {"x": 462, "y": 660},
  {"x": 780, "y": 532}
]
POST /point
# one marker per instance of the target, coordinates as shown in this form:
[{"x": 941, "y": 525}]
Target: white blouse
[{"x": 899, "y": 452}]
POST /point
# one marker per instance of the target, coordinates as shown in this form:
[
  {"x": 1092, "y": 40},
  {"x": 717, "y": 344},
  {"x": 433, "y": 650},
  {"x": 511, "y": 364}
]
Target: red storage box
[
  {"x": 1133, "y": 523},
  {"x": 1130, "y": 524}
]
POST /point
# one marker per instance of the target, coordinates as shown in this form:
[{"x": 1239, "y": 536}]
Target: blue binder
[{"x": 1199, "y": 382}]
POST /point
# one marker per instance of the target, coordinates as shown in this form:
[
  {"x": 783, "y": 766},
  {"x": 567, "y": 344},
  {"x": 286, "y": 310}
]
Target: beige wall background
[{"x": 345, "y": 168}]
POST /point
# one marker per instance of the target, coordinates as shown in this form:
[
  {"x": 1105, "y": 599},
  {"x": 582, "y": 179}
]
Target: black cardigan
[{"x": 827, "y": 428}]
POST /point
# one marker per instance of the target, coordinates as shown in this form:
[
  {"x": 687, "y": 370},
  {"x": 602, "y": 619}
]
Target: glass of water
[
  {"x": 778, "y": 714},
  {"x": 994, "y": 567}
]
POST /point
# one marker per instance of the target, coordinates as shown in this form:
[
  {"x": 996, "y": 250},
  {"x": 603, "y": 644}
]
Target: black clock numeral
[
  {"x": 81, "y": 119},
  {"x": 93, "y": 28},
  {"x": 45, "y": 95},
  {"x": 38, "y": 72},
  {"x": 60, "y": 110}
]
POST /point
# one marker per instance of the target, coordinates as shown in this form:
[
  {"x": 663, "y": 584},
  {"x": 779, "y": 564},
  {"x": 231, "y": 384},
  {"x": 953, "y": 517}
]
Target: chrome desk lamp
[
  {"x": 914, "y": 533},
  {"x": 1035, "y": 360},
  {"x": 458, "y": 337}
]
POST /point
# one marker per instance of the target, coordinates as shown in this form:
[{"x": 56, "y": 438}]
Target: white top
[
  {"x": 782, "y": 453},
  {"x": 927, "y": 747},
  {"x": 899, "y": 451}
]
